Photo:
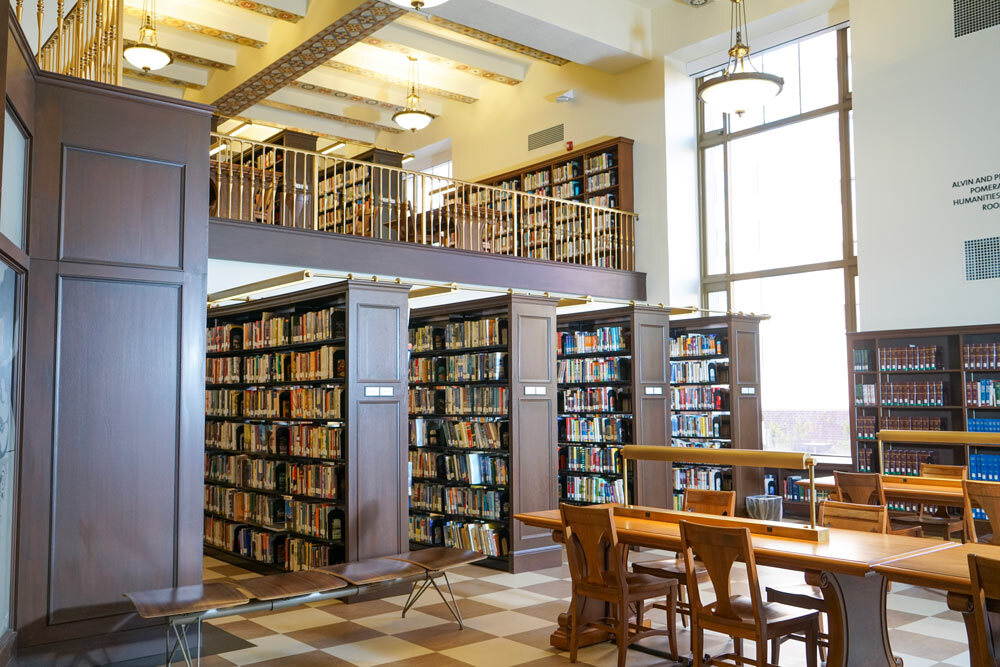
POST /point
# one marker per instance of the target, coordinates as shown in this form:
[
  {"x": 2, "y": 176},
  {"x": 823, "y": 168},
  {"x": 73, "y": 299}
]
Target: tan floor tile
[
  {"x": 229, "y": 570},
  {"x": 312, "y": 659},
  {"x": 247, "y": 630},
  {"x": 427, "y": 660},
  {"x": 209, "y": 575},
  {"x": 300, "y": 618},
  {"x": 468, "y": 609},
  {"x": 551, "y": 661},
  {"x": 518, "y": 580},
  {"x": 225, "y": 619},
  {"x": 557, "y": 589},
  {"x": 267, "y": 648},
  {"x": 895, "y": 618},
  {"x": 343, "y": 632},
  {"x": 561, "y": 572},
  {"x": 547, "y": 611},
  {"x": 349, "y": 612},
  {"x": 505, "y": 623},
  {"x": 208, "y": 561},
  {"x": 512, "y": 598},
  {"x": 473, "y": 571},
  {"x": 392, "y": 623},
  {"x": 496, "y": 653},
  {"x": 475, "y": 587},
  {"x": 444, "y": 637},
  {"x": 539, "y": 638},
  {"x": 377, "y": 651}
]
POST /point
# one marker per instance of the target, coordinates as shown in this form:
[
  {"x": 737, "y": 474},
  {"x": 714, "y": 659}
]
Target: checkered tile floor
[{"x": 508, "y": 622}]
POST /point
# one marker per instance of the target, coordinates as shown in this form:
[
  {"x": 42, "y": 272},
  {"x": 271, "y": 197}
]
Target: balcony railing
[
  {"x": 275, "y": 185},
  {"x": 86, "y": 42}
]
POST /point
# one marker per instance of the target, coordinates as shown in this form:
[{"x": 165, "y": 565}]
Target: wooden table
[
  {"x": 927, "y": 490},
  {"x": 947, "y": 570},
  {"x": 855, "y": 594}
]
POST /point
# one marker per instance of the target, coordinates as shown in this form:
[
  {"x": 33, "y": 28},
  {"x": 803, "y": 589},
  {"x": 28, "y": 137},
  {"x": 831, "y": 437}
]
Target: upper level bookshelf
[
  {"x": 482, "y": 441},
  {"x": 613, "y": 391},
  {"x": 939, "y": 379},
  {"x": 715, "y": 400},
  {"x": 285, "y": 473}
]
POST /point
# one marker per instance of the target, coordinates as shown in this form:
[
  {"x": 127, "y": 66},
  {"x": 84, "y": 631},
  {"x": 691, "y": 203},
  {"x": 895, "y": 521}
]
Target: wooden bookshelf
[
  {"x": 361, "y": 200},
  {"x": 924, "y": 379},
  {"x": 512, "y": 375},
  {"x": 715, "y": 400},
  {"x": 614, "y": 390},
  {"x": 293, "y": 382}
]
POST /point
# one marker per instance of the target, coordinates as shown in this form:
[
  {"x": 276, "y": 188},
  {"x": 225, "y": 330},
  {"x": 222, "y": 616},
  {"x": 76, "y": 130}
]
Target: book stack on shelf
[
  {"x": 715, "y": 400},
  {"x": 924, "y": 379},
  {"x": 463, "y": 453},
  {"x": 276, "y": 433},
  {"x": 357, "y": 198}
]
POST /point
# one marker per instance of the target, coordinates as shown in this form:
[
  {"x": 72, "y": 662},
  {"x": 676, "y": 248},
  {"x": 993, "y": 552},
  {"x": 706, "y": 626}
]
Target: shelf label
[
  {"x": 748, "y": 391},
  {"x": 535, "y": 390},
  {"x": 378, "y": 391},
  {"x": 654, "y": 391}
]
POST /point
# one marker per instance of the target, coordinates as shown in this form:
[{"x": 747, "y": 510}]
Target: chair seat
[
  {"x": 669, "y": 567},
  {"x": 186, "y": 599},
  {"x": 639, "y": 583},
  {"x": 911, "y": 531},
  {"x": 801, "y": 596},
  {"x": 291, "y": 584},
  {"x": 373, "y": 570},
  {"x": 775, "y": 612},
  {"x": 435, "y": 559}
]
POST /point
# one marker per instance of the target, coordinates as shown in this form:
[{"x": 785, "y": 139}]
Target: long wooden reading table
[
  {"x": 928, "y": 490},
  {"x": 843, "y": 559}
]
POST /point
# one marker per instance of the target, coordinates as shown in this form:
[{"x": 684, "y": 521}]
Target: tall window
[{"x": 778, "y": 236}]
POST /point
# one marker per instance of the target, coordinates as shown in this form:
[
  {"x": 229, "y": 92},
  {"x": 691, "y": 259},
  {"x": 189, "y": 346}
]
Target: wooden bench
[{"x": 185, "y": 606}]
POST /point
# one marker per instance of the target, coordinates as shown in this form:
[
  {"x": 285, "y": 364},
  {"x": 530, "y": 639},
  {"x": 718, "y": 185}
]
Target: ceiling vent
[
  {"x": 982, "y": 258},
  {"x": 547, "y": 137},
  {"x": 975, "y": 15}
]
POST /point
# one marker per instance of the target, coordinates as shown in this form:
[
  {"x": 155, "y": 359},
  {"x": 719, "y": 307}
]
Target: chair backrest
[
  {"x": 985, "y": 576},
  {"x": 940, "y": 470},
  {"x": 860, "y": 488},
  {"x": 719, "y": 548},
  {"x": 709, "y": 502},
  {"x": 984, "y": 496},
  {"x": 851, "y": 516},
  {"x": 592, "y": 548}
]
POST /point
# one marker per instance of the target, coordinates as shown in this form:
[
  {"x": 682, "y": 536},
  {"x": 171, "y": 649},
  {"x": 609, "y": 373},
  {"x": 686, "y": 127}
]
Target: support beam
[
  {"x": 184, "y": 57},
  {"x": 433, "y": 76},
  {"x": 199, "y": 28},
  {"x": 285, "y": 10},
  {"x": 337, "y": 118},
  {"x": 333, "y": 138},
  {"x": 486, "y": 37},
  {"x": 277, "y": 117},
  {"x": 397, "y": 81}
]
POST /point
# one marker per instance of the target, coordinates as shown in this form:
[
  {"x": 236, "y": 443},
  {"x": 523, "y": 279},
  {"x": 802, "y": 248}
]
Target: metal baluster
[{"x": 41, "y": 16}]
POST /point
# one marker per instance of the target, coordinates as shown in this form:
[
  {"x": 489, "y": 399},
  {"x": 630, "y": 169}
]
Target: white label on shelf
[
  {"x": 372, "y": 391},
  {"x": 748, "y": 390},
  {"x": 385, "y": 391},
  {"x": 654, "y": 391},
  {"x": 535, "y": 390}
]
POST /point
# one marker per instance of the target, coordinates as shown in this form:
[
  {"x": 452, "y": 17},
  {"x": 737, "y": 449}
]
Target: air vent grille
[
  {"x": 975, "y": 15},
  {"x": 546, "y": 137},
  {"x": 982, "y": 258}
]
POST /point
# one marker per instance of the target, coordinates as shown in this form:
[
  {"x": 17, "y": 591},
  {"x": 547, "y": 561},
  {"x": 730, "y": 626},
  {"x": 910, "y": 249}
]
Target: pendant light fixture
[
  {"x": 418, "y": 4},
  {"x": 739, "y": 88},
  {"x": 412, "y": 118},
  {"x": 146, "y": 54}
]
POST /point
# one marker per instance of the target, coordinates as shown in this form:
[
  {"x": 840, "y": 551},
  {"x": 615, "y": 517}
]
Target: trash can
[{"x": 764, "y": 507}]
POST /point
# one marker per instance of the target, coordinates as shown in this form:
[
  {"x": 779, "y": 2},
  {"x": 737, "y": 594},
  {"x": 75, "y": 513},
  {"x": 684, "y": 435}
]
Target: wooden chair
[
  {"x": 738, "y": 616},
  {"x": 599, "y": 570},
  {"x": 984, "y": 496},
  {"x": 937, "y": 519},
  {"x": 703, "y": 501},
  {"x": 865, "y": 488},
  {"x": 984, "y": 574},
  {"x": 807, "y": 595}
]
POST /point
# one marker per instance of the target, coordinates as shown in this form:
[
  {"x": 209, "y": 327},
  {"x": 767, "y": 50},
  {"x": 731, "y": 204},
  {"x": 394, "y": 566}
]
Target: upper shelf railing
[
  {"x": 270, "y": 184},
  {"x": 86, "y": 42}
]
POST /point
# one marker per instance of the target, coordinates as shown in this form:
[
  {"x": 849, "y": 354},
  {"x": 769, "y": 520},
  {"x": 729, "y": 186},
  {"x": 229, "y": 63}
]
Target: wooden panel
[
  {"x": 746, "y": 351},
  {"x": 378, "y": 487},
  {"x": 115, "y": 445},
  {"x": 536, "y": 467},
  {"x": 535, "y": 359},
  {"x": 378, "y": 324},
  {"x": 655, "y": 487},
  {"x": 109, "y": 228},
  {"x": 653, "y": 352}
]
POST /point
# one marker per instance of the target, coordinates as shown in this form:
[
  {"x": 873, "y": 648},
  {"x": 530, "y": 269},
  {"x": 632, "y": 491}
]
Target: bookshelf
[
  {"x": 715, "y": 400},
  {"x": 360, "y": 199},
  {"x": 614, "y": 390},
  {"x": 292, "y": 383},
  {"x": 945, "y": 379},
  {"x": 482, "y": 427}
]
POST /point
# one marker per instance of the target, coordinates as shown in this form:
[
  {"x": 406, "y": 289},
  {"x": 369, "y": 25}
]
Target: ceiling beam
[
  {"x": 472, "y": 33},
  {"x": 361, "y": 90},
  {"x": 395, "y": 80},
  {"x": 290, "y": 10},
  {"x": 316, "y": 113},
  {"x": 132, "y": 73},
  {"x": 185, "y": 57},
  {"x": 312, "y": 132},
  {"x": 344, "y": 95},
  {"x": 198, "y": 28},
  {"x": 269, "y": 115}
]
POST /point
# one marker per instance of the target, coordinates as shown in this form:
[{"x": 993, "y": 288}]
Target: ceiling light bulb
[{"x": 412, "y": 119}]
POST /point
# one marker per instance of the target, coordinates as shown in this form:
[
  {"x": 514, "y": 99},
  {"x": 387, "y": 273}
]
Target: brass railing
[
  {"x": 86, "y": 41},
  {"x": 271, "y": 184}
]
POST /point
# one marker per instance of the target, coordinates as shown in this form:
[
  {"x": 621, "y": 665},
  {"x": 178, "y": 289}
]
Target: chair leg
[
  {"x": 776, "y": 649},
  {"x": 762, "y": 654},
  {"x": 681, "y": 594},
  {"x": 672, "y": 621},
  {"x": 574, "y": 629},
  {"x": 453, "y": 607},
  {"x": 812, "y": 637},
  {"x": 822, "y": 628},
  {"x": 697, "y": 641},
  {"x": 622, "y": 633},
  {"x": 738, "y": 650}
]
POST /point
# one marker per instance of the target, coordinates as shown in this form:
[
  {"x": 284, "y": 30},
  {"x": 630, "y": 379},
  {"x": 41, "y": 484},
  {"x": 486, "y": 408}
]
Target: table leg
[
  {"x": 979, "y": 654},
  {"x": 859, "y": 636},
  {"x": 590, "y": 610}
]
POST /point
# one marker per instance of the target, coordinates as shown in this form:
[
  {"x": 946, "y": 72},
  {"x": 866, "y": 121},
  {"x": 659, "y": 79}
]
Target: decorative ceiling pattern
[
  {"x": 438, "y": 60},
  {"x": 498, "y": 41},
  {"x": 188, "y": 58},
  {"x": 316, "y": 113},
  {"x": 197, "y": 28},
  {"x": 397, "y": 81},
  {"x": 266, "y": 10},
  {"x": 344, "y": 95},
  {"x": 349, "y": 29}
]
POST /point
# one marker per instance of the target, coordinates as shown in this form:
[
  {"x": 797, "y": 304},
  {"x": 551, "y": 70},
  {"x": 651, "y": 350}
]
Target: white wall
[{"x": 926, "y": 115}]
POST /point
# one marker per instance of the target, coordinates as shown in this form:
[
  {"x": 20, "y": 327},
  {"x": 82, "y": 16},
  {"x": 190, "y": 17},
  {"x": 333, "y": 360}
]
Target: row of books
[
  {"x": 601, "y": 339},
  {"x": 566, "y": 171},
  {"x": 696, "y": 345},
  {"x": 609, "y": 200},
  {"x": 308, "y": 440},
  {"x": 700, "y": 426},
  {"x": 703, "y": 371},
  {"x": 867, "y": 459},
  {"x": 982, "y": 425},
  {"x": 327, "y": 362},
  {"x": 914, "y": 393},
  {"x": 982, "y": 393},
  {"x": 699, "y": 398},
  {"x": 601, "y": 181},
  {"x": 913, "y": 424},
  {"x": 465, "y": 500},
  {"x": 460, "y": 434},
  {"x": 615, "y": 369},
  {"x": 223, "y": 370},
  {"x": 459, "y": 368},
  {"x": 590, "y": 459},
  {"x": 867, "y": 427},
  {"x": 862, "y": 360},
  {"x": 471, "y": 468},
  {"x": 595, "y": 399},
  {"x": 536, "y": 180},
  {"x": 488, "y": 539},
  {"x": 865, "y": 394},
  {"x": 484, "y": 332},
  {"x": 344, "y": 173},
  {"x": 458, "y": 400},
  {"x": 320, "y": 520},
  {"x": 981, "y": 356},
  {"x": 275, "y": 403},
  {"x": 702, "y": 477},
  {"x": 795, "y": 492},
  {"x": 909, "y": 358},
  {"x": 905, "y": 460},
  {"x": 593, "y": 489},
  {"x": 317, "y": 480},
  {"x": 567, "y": 189},
  {"x": 984, "y": 467},
  {"x": 274, "y": 330},
  {"x": 600, "y": 161},
  {"x": 595, "y": 429},
  {"x": 702, "y": 444},
  {"x": 262, "y": 546}
]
